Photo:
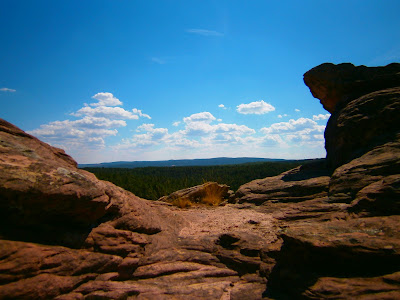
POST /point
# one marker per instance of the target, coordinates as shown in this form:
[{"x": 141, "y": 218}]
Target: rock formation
[
  {"x": 336, "y": 85},
  {"x": 345, "y": 224},
  {"x": 325, "y": 230},
  {"x": 65, "y": 234},
  {"x": 210, "y": 193}
]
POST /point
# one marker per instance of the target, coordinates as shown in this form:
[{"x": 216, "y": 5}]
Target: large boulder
[
  {"x": 335, "y": 85},
  {"x": 64, "y": 234},
  {"x": 211, "y": 193},
  {"x": 46, "y": 198},
  {"x": 306, "y": 182},
  {"x": 344, "y": 245},
  {"x": 363, "y": 124},
  {"x": 362, "y": 137}
]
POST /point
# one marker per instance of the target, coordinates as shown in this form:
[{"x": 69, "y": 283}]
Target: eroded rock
[
  {"x": 316, "y": 231},
  {"x": 208, "y": 193},
  {"x": 302, "y": 183},
  {"x": 335, "y": 85}
]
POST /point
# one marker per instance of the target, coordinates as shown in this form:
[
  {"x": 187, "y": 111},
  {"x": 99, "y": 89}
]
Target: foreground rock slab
[{"x": 327, "y": 230}]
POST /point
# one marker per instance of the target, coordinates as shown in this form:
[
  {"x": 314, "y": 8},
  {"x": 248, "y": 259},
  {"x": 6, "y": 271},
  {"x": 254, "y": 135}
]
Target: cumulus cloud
[
  {"x": 106, "y": 99},
  {"x": 199, "y": 132},
  {"x": 222, "y": 106},
  {"x": 281, "y": 116},
  {"x": 105, "y": 111},
  {"x": 87, "y": 132},
  {"x": 7, "y": 90},
  {"x": 296, "y": 110},
  {"x": 139, "y": 112},
  {"x": 204, "y": 32},
  {"x": 321, "y": 117},
  {"x": 95, "y": 123},
  {"x": 290, "y": 126},
  {"x": 272, "y": 140},
  {"x": 150, "y": 136},
  {"x": 256, "y": 107},
  {"x": 198, "y": 128},
  {"x": 296, "y": 131},
  {"x": 176, "y": 123},
  {"x": 233, "y": 129},
  {"x": 199, "y": 117}
]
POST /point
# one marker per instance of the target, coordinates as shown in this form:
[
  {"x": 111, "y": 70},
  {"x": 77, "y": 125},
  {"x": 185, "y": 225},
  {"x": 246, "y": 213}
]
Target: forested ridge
[{"x": 155, "y": 182}]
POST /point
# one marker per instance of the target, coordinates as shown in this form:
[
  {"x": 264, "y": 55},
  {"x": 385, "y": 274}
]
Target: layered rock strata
[
  {"x": 323, "y": 231},
  {"x": 65, "y": 234},
  {"x": 344, "y": 244}
]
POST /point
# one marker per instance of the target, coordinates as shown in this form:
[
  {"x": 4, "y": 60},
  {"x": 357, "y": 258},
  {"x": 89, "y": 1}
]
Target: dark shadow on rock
[
  {"x": 300, "y": 264},
  {"x": 307, "y": 171}
]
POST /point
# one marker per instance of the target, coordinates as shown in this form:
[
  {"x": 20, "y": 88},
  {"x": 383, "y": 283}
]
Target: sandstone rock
[
  {"x": 300, "y": 184},
  {"x": 370, "y": 182},
  {"x": 363, "y": 124},
  {"x": 45, "y": 198},
  {"x": 319, "y": 233},
  {"x": 207, "y": 193},
  {"x": 335, "y": 85},
  {"x": 316, "y": 256},
  {"x": 122, "y": 246}
]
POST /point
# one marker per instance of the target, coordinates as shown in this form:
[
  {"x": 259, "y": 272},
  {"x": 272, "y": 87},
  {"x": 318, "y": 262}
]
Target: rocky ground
[{"x": 327, "y": 230}]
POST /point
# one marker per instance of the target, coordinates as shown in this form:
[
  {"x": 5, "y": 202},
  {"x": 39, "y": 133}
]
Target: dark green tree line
[{"x": 155, "y": 182}]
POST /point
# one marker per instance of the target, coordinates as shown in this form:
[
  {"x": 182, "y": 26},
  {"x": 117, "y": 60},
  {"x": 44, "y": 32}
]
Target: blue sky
[{"x": 154, "y": 80}]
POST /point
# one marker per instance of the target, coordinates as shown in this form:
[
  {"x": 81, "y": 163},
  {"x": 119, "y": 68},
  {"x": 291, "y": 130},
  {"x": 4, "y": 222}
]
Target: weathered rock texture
[
  {"x": 302, "y": 183},
  {"x": 327, "y": 230},
  {"x": 340, "y": 239},
  {"x": 209, "y": 192},
  {"x": 335, "y": 85},
  {"x": 65, "y": 234}
]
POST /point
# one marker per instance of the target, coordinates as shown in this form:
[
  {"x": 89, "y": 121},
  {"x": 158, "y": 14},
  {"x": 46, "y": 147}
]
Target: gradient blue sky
[{"x": 154, "y": 80}]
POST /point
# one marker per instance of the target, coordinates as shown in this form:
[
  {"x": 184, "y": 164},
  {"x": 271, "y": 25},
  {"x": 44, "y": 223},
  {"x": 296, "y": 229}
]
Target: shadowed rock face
[
  {"x": 324, "y": 230},
  {"x": 341, "y": 223},
  {"x": 335, "y": 85},
  {"x": 302, "y": 183}
]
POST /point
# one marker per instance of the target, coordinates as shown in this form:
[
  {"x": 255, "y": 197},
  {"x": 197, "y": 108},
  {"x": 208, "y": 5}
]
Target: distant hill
[{"x": 180, "y": 162}]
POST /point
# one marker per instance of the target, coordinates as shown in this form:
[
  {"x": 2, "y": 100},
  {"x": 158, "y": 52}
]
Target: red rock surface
[{"x": 310, "y": 233}]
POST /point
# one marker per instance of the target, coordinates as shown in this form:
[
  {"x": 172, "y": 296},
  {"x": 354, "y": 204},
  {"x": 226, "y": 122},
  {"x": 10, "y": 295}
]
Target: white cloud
[
  {"x": 281, "y": 116},
  {"x": 204, "y": 32},
  {"x": 222, "y": 106},
  {"x": 139, "y": 112},
  {"x": 198, "y": 128},
  {"x": 257, "y": 108},
  {"x": 296, "y": 110},
  {"x": 7, "y": 90},
  {"x": 321, "y": 117},
  {"x": 96, "y": 122},
  {"x": 87, "y": 133},
  {"x": 233, "y": 129},
  {"x": 272, "y": 140},
  {"x": 150, "y": 137},
  {"x": 290, "y": 126},
  {"x": 106, "y": 99},
  {"x": 197, "y": 133},
  {"x": 176, "y": 123},
  {"x": 200, "y": 117},
  {"x": 105, "y": 111},
  {"x": 302, "y": 130}
]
